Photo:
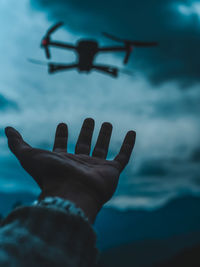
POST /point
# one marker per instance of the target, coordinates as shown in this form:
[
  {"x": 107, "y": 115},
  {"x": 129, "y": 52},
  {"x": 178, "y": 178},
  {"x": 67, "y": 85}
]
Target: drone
[{"x": 87, "y": 50}]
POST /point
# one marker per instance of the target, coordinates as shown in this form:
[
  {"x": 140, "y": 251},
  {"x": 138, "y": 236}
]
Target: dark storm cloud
[
  {"x": 177, "y": 57},
  {"x": 6, "y": 103},
  {"x": 155, "y": 168},
  {"x": 195, "y": 157}
]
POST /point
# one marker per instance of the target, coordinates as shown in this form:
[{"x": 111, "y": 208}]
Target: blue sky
[{"x": 160, "y": 101}]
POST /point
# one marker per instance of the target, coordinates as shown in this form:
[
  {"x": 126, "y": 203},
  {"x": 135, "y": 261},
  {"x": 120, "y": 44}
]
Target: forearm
[{"x": 51, "y": 233}]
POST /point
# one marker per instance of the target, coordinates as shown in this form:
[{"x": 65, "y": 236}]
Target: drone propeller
[
  {"x": 112, "y": 37},
  {"x": 54, "y": 28},
  {"x": 129, "y": 44},
  {"x": 47, "y": 52},
  {"x": 38, "y": 62},
  {"x": 46, "y": 39},
  {"x": 51, "y": 65},
  {"x": 43, "y": 63}
]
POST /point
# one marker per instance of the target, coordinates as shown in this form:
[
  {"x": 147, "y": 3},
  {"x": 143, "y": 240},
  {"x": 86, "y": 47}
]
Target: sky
[{"x": 160, "y": 101}]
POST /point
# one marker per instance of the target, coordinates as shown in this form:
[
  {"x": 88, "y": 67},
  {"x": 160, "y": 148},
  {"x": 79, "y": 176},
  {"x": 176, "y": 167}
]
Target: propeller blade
[
  {"x": 129, "y": 42},
  {"x": 47, "y": 52},
  {"x": 46, "y": 39},
  {"x": 54, "y": 27},
  {"x": 112, "y": 37},
  {"x": 40, "y": 62}
]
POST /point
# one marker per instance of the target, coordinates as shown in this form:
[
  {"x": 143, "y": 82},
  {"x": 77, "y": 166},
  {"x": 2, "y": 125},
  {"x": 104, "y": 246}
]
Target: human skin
[{"x": 88, "y": 181}]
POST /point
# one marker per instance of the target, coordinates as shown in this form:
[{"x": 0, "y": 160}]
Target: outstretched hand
[{"x": 89, "y": 181}]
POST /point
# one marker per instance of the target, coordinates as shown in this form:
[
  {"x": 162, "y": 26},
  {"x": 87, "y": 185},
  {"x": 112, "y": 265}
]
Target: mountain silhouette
[
  {"x": 180, "y": 216},
  {"x": 150, "y": 238},
  {"x": 151, "y": 253}
]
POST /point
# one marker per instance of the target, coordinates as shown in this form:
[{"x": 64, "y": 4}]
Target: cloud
[
  {"x": 195, "y": 157},
  {"x": 177, "y": 57},
  {"x": 155, "y": 181},
  {"x": 6, "y": 104},
  {"x": 153, "y": 168}
]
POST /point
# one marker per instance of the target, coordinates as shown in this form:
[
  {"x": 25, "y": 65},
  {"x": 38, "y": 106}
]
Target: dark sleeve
[{"x": 51, "y": 233}]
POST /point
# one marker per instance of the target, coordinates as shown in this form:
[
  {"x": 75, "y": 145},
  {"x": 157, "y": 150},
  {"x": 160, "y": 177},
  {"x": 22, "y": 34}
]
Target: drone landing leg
[
  {"x": 106, "y": 69},
  {"x": 55, "y": 68}
]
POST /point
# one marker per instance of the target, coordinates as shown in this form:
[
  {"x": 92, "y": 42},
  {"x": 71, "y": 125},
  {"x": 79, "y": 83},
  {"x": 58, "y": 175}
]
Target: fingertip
[
  {"x": 130, "y": 136},
  {"x": 107, "y": 126},
  {"x": 132, "y": 132},
  {"x": 62, "y": 129},
  {"x": 8, "y": 129},
  {"x": 89, "y": 122},
  {"x": 62, "y": 124},
  {"x": 89, "y": 119},
  {"x": 11, "y": 132}
]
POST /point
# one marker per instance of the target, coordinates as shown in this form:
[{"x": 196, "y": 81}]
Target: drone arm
[
  {"x": 128, "y": 49},
  {"x": 112, "y": 49},
  {"x": 59, "y": 67},
  {"x": 61, "y": 45},
  {"x": 106, "y": 69}
]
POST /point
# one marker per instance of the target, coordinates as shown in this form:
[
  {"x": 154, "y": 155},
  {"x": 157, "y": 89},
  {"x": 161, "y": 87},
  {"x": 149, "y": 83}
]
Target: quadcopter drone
[{"x": 87, "y": 50}]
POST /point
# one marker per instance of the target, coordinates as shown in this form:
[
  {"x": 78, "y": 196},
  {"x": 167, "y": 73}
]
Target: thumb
[{"x": 15, "y": 142}]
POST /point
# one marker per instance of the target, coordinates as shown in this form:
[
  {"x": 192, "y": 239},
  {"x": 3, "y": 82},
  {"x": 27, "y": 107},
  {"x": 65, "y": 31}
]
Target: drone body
[{"x": 86, "y": 51}]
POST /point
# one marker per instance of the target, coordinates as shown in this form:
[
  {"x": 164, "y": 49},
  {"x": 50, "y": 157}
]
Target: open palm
[{"x": 59, "y": 172}]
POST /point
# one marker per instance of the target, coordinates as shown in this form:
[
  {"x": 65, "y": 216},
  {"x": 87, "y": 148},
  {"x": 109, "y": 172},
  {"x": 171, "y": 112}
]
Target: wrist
[
  {"x": 86, "y": 203},
  {"x": 79, "y": 195}
]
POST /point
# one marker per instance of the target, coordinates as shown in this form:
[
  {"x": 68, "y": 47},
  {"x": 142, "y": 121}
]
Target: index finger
[{"x": 126, "y": 149}]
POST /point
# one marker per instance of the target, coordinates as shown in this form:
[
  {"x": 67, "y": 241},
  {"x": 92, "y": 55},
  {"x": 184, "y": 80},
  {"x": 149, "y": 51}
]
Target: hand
[{"x": 89, "y": 181}]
